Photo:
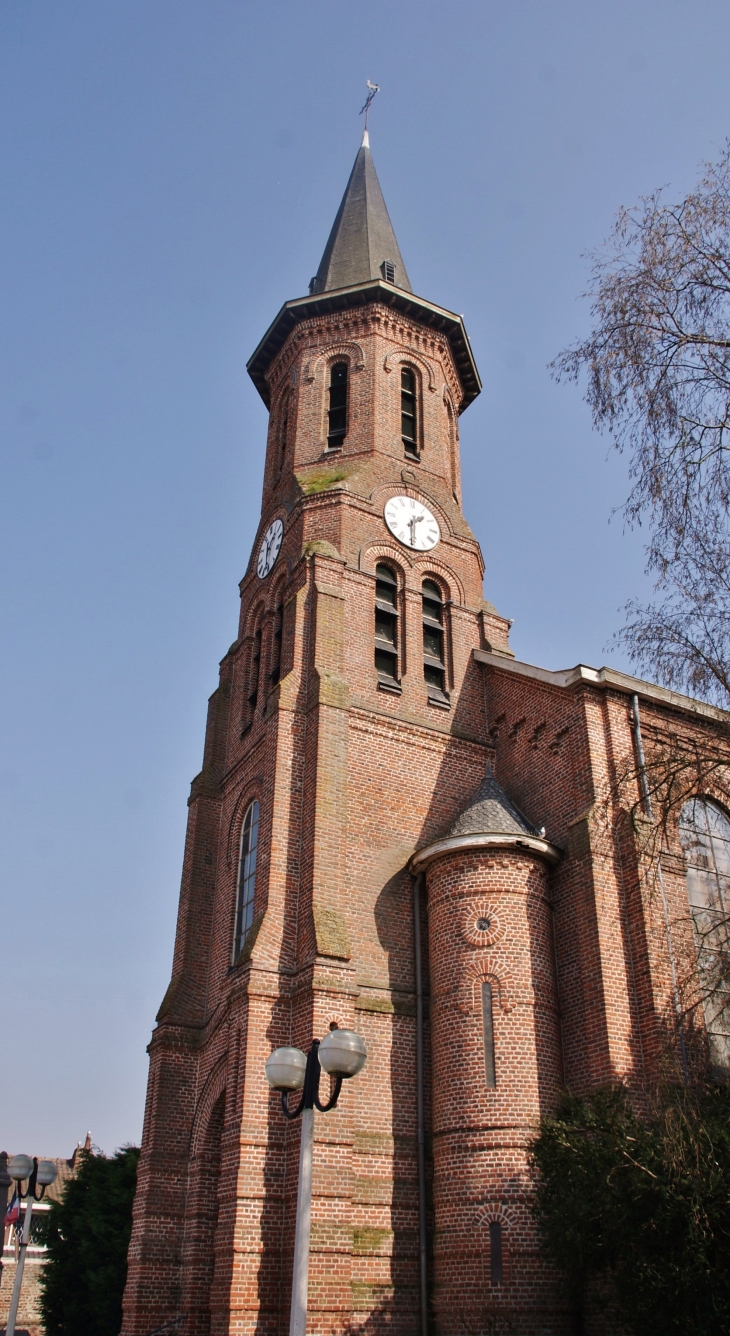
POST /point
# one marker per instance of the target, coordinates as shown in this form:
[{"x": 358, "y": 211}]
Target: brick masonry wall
[
  {"x": 480, "y": 1134},
  {"x": 351, "y": 780}
]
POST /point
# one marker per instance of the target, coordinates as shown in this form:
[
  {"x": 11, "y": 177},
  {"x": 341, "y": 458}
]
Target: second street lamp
[
  {"x": 39, "y": 1173},
  {"x": 341, "y": 1054}
]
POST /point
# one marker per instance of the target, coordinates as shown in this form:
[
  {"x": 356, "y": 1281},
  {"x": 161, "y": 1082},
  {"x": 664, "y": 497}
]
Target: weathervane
[{"x": 372, "y": 90}]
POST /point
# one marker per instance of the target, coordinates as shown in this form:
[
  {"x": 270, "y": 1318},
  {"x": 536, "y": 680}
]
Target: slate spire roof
[
  {"x": 362, "y": 237},
  {"x": 492, "y": 812}
]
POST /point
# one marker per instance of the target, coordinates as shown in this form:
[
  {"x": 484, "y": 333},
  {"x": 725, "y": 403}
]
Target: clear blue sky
[{"x": 170, "y": 173}]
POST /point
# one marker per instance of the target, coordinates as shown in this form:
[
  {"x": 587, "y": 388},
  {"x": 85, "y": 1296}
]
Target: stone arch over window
[
  {"x": 704, "y": 829},
  {"x": 428, "y": 566},
  {"x": 375, "y": 552},
  {"x": 493, "y": 970},
  {"x": 396, "y": 357},
  {"x": 250, "y": 791},
  {"x": 498, "y": 1223},
  {"x": 351, "y": 353}
]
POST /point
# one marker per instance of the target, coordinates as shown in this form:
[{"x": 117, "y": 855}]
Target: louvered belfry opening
[
  {"x": 337, "y": 411},
  {"x": 386, "y": 623}
]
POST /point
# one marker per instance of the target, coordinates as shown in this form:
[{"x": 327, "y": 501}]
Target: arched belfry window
[
  {"x": 246, "y": 876},
  {"x": 337, "y": 410},
  {"x": 705, "y": 833},
  {"x": 386, "y": 625},
  {"x": 409, "y": 411},
  {"x": 255, "y": 676},
  {"x": 283, "y": 432},
  {"x": 277, "y": 638},
  {"x": 434, "y": 633}
]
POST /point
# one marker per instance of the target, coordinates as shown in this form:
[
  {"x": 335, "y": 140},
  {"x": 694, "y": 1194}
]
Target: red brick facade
[{"x": 352, "y": 779}]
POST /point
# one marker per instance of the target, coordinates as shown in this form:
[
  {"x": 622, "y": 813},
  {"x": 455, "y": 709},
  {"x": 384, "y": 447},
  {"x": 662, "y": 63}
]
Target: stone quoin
[{"x": 373, "y": 743}]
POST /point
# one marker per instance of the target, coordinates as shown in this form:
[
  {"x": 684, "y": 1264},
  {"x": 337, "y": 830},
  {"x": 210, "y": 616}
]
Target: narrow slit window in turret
[
  {"x": 488, "y": 1032},
  {"x": 495, "y": 1252},
  {"x": 434, "y": 667},
  {"x": 408, "y": 415},
  {"x": 386, "y": 624},
  {"x": 337, "y": 412}
]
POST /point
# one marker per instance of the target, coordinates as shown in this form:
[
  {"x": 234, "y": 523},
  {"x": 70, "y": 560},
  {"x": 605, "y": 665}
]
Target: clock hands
[{"x": 413, "y": 521}]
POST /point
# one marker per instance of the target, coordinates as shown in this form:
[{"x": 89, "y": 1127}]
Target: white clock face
[
  {"x": 411, "y": 523},
  {"x": 269, "y": 550}
]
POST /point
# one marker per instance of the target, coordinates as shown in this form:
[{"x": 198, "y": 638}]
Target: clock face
[
  {"x": 269, "y": 550},
  {"x": 411, "y": 523}
]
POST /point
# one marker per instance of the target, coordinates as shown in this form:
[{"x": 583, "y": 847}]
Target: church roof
[
  {"x": 362, "y": 239},
  {"x": 492, "y": 812}
]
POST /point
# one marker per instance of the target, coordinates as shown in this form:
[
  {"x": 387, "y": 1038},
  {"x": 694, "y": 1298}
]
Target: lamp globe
[
  {"x": 47, "y": 1173},
  {"x": 285, "y": 1069},
  {"x": 342, "y": 1053},
  {"x": 20, "y": 1167}
]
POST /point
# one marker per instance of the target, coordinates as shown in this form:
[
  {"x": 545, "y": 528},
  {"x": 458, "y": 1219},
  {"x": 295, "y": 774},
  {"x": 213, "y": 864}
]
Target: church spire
[{"x": 362, "y": 244}]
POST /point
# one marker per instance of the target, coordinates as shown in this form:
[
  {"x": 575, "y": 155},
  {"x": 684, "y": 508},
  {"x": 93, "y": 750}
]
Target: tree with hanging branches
[{"x": 657, "y": 362}]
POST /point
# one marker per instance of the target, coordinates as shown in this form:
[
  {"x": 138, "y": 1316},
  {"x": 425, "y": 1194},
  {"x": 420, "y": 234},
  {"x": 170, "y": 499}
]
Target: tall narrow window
[
  {"x": 705, "y": 833},
  {"x": 495, "y": 1252},
  {"x": 408, "y": 415},
  {"x": 434, "y": 666},
  {"x": 253, "y": 693},
  {"x": 276, "y": 643},
  {"x": 337, "y": 412},
  {"x": 386, "y": 625},
  {"x": 283, "y": 432},
  {"x": 488, "y": 1033},
  {"x": 246, "y": 876}
]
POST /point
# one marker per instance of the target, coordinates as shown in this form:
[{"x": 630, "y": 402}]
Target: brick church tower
[{"x": 397, "y": 829}]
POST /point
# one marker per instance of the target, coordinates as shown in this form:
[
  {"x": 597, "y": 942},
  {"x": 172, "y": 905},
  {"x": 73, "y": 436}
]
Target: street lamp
[
  {"x": 39, "y": 1173},
  {"x": 341, "y": 1054}
]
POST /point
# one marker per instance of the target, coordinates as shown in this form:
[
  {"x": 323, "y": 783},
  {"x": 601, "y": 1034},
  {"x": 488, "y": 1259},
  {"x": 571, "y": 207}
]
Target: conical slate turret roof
[
  {"x": 492, "y": 812},
  {"x": 362, "y": 239}
]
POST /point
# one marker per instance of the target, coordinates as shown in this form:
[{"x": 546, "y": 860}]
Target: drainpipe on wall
[{"x": 418, "y": 884}]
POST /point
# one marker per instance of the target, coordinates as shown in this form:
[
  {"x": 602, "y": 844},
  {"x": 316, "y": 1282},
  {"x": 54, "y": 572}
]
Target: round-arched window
[
  {"x": 246, "y": 876},
  {"x": 704, "y": 830}
]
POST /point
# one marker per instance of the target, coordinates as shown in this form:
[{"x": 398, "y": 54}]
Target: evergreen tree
[{"x": 88, "y": 1236}]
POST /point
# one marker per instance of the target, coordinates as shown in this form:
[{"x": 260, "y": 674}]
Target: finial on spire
[{"x": 372, "y": 90}]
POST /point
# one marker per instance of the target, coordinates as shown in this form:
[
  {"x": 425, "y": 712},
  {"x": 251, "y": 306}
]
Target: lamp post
[
  {"x": 39, "y": 1173},
  {"x": 341, "y": 1054}
]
